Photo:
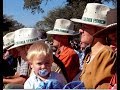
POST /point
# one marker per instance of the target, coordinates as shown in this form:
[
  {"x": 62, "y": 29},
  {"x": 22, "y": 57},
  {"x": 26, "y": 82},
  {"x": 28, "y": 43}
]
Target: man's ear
[{"x": 27, "y": 47}]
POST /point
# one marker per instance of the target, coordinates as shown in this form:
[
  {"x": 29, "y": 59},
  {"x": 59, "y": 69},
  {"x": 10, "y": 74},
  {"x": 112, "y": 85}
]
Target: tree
[
  {"x": 48, "y": 21},
  {"x": 10, "y": 24},
  {"x": 72, "y": 10},
  {"x": 35, "y": 5}
]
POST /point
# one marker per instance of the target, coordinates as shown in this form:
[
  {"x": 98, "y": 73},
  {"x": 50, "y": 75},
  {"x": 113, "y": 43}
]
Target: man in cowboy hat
[
  {"x": 110, "y": 32},
  {"x": 23, "y": 38},
  {"x": 8, "y": 41},
  {"x": 64, "y": 28},
  {"x": 99, "y": 62},
  {"x": 9, "y": 60}
]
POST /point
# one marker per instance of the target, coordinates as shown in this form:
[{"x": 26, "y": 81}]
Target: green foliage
[
  {"x": 10, "y": 24},
  {"x": 66, "y": 12},
  {"x": 35, "y": 5}
]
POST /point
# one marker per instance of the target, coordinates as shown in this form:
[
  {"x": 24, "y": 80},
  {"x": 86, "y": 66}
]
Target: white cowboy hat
[
  {"x": 63, "y": 27},
  {"x": 25, "y": 36},
  {"x": 8, "y": 40},
  {"x": 95, "y": 14}
]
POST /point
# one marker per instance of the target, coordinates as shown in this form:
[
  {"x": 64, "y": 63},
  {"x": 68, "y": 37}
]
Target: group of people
[{"x": 93, "y": 67}]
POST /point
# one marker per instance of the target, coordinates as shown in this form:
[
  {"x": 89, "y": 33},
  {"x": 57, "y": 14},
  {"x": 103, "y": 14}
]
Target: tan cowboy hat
[
  {"x": 8, "y": 40},
  {"x": 109, "y": 29},
  {"x": 63, "y": 27},
  {"x": 95, "y": 14},
  {"x": 25, "y": 36}
]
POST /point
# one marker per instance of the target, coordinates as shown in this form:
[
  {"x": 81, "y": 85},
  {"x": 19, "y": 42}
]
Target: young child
[{"x": 40, "y": 58}]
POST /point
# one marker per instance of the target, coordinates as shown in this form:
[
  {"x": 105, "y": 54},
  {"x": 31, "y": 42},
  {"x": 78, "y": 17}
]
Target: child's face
[{"x": 41, "y": 62}]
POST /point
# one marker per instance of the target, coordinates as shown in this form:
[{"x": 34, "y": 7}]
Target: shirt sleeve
[{"x": 27, "y": 84}]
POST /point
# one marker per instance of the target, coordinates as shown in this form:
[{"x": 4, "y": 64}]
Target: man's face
[
  {"x": 14, "y": 52},
  {"x": 86, "y": 33},
  {"x": 59, "y": 40},
  {"x": 56, "y": 39}
]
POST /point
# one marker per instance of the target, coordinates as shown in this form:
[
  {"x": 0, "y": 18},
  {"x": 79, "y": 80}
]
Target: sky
[{"x": 15, "y": 9}]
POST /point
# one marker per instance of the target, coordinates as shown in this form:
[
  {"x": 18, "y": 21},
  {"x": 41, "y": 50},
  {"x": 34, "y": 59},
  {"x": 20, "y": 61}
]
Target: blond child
[{"x": 40, "y": 58}]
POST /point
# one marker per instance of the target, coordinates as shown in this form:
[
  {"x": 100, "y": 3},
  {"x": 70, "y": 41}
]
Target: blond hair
[{"x": 39, "y": 49}]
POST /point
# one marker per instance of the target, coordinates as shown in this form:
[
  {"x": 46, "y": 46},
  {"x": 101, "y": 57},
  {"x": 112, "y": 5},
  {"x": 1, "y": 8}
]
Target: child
[{"x": 40, "y": 58}]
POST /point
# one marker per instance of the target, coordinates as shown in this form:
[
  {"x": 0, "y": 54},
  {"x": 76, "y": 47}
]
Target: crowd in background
[{"x": 89, "y": 62}]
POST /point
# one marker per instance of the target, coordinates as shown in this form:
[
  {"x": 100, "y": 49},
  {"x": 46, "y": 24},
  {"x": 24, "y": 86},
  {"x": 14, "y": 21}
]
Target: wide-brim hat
[
  {"x": 95, "y": 14},
  {"x": 63, "y": 27},
  {"x": 109, "y": 29},
  {"x": 8, "y": 40},
  {"x": 25, "y": 36}
]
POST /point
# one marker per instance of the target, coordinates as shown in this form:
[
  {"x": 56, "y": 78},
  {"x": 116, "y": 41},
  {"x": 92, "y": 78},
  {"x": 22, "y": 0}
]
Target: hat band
[
  {"x": 26, "y": 41},
  {"x": 63, "y": 30},
  {"x": 94, "y": 20},
  {"x": 10, "y": 43}
]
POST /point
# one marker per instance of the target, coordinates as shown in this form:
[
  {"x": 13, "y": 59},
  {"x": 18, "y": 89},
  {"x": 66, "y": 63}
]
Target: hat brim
[
  {"x": 61, "y": 33},
  {"x": 85, "y": 22},
  {"x": 7, "y": 47},
  {"x": 15, "y": 46},
  {"x": 109, "y": 29},
  {"x": 4, "y": 47}
]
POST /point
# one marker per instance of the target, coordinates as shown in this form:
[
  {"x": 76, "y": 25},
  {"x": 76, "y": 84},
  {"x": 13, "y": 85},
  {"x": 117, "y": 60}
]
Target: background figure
[
  {"x": 63, "y": 29},
  {"x": 82, "y": 53},
  {"x": 23, "y": 38},
  {"x": 9, "y": 60},
  {"x": 110, "y": 32},
  {"x": 9, "y": 64},
  {"x": 40, "y": 58},
  {"x": 14, "y": 79},
  {"x": 99, "y": 63}
]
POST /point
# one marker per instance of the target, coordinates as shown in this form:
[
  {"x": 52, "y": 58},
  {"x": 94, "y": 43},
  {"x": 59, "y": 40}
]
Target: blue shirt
[{"x": 54, "y": 81}]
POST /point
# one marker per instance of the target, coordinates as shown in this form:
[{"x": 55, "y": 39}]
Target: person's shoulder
[
  {"x": 72, "y": 51},
  {"x": 107, "y": 49}
]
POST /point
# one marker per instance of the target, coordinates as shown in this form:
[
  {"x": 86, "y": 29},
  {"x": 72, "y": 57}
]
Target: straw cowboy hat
[
  {"x": 25, "y": 36},
  {"x": 112, "y": 24},
  {"x": 95, "y": 14},
  {"x": 8, "y": 40},
  {"x": 112, "y": 28},
  {"x": 63, "y": 27}
]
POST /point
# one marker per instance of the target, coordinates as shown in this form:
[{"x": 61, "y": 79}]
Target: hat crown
[
  {"x": 8, "y": 39},
  {"x": 26, "y": 33},
  {"x": 63, "y": 27},
  {"x": 112, "y": 16},
  {"x": 63, "y": 24},
  {"x": 25, "y": 36},
  {"x": 96, "y": 13}
]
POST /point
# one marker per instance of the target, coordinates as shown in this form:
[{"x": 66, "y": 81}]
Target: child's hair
[{"x": 39, "y": 49}]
